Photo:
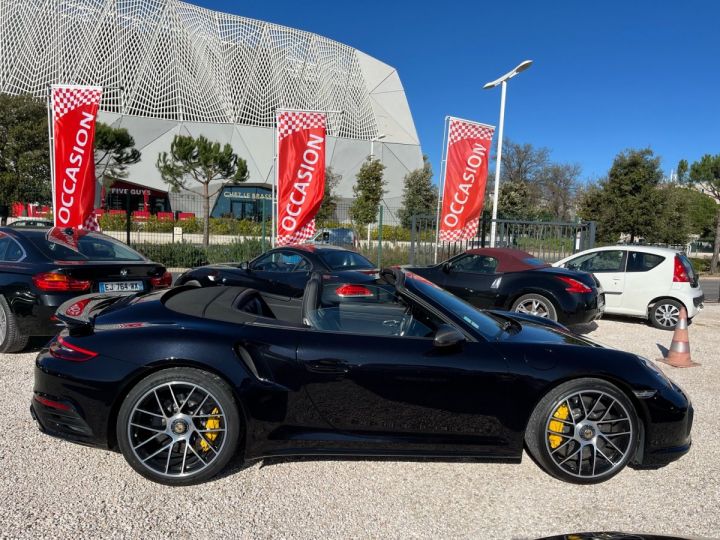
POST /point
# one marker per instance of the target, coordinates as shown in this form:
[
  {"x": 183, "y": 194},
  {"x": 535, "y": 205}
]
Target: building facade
[{"x": 170, "y": 68}]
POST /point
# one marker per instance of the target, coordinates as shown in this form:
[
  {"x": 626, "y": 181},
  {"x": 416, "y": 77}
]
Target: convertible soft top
[{"x": 510, "y": 260}]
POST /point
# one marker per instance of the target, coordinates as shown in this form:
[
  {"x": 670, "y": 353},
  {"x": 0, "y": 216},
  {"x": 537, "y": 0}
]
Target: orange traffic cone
[{"x": 679, "y": 353}]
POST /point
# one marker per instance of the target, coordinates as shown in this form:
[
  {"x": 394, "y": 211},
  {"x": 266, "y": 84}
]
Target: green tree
[
  {"x": 203, "y": 161},
  {"x": 702, "y": 213},
  {"x": 558, "y": 183},
  {"x": 705, "y": 174},
  {"x": 328, "y": 206},
  {"x": 368, "y": 192},
  {"x": 672, "y": 224},
  {"x": 420, "y": 196},
  {"x": 515, "y": 201},
  {"x": 682, "y": 170},
  {"x": 24, "y": 150},
  {"x": 114, "y": 151},
  {"x": 628, "y": 199}
]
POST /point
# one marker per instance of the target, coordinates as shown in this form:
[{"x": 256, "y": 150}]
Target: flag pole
[
  {"x": 51, "y": 142},
  {"x": 443, "y": 171}
]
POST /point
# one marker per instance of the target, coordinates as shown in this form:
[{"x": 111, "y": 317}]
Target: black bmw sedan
[
  {"x": 182, "y": 380},
  {"x": 42, "y": 268},
  {"x": 510, "y": 279},
  {"x": 283, "y": 270}
]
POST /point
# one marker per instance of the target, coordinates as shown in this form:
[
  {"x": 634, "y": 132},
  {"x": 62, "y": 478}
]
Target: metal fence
[{"x": 174, "y": 236}]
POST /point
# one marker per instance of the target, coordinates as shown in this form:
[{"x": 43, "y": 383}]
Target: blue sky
[{"x": 606, "y": 76}]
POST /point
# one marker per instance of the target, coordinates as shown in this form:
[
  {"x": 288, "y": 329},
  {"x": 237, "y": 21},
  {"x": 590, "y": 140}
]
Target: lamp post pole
[{"x": 502, "y": 81}]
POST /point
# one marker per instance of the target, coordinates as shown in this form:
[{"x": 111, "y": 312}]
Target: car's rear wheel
[
  {"x": 11, "y": 338},
  {"x": 535, "y": 304},
  {"x": 665, "y": 314},
  {"x": 179, "y": 426},
  {"x": 584, "y": 431}
]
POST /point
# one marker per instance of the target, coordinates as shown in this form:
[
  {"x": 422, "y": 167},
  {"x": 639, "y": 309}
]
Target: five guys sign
[
  {"x": 74, "y": 109},
  {"x": 301, "y": 174},
  {"x": 466, "y": 170}
]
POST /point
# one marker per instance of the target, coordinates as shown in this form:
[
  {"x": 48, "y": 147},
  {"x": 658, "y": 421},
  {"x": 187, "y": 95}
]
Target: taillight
[
  {"x": 574, "y": 286},
  {"x": 353, "y": 290},
  {"x": 56, "y": 282},
  {"x": 163, "y": 281},
  {"x": 680, "y": 274},
  {"x": 64, "y": 350},
  {"x": 52, "y": 403}
]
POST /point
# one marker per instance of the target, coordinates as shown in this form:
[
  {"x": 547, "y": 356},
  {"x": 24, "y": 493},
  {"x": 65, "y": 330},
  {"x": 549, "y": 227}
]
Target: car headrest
[{"x": 311, "y": 297}]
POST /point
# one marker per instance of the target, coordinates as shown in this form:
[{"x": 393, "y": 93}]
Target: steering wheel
[{"x": 406, "y": 322}]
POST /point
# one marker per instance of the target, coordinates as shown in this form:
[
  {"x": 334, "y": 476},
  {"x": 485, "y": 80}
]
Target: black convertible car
[
  {"x": 181, "y": 380},
  {"x": 283, "y": 270},
  {"x": 514, "y": 280}
]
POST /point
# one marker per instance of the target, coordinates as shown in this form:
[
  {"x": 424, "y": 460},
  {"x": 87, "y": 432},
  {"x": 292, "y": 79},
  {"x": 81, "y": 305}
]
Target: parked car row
[{"x": 311, "y": 350}]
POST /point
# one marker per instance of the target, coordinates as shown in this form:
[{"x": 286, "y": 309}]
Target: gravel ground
[{"x": 50, "y": 488}]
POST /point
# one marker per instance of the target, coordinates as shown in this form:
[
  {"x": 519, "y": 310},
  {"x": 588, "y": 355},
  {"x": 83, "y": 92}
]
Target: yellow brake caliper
[
  {"x": 212, "y": 422},
  {"x": 562, "y": 412}
]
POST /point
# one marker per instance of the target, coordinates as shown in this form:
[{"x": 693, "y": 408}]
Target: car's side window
[
  {"x": 476, "y": 264},
  {"x": 4, "y": 243},
  {"x": 282, "y": 261},
  {"x": 642, "y": 262},
  {"x": 600, "y": 261},
  {"x": 14, "y": 252}
]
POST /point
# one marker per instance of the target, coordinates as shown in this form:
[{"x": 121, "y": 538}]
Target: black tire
[
  {"x": 570, "y": 457},
  {"x": 12, "y": 340},
  {"x": 195, "y": 445},
  {"x": 665, "y": 313},
  {"x": 545, "y": 309}
]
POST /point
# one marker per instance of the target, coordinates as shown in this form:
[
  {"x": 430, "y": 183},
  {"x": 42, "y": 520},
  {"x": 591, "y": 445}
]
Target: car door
[
  {"x": 470, "y": 277},
  {"x": 282, "y": 272},
  {"x": 387, "y": 382},
  {"x": 642, "y": 282},
  {"x": 609, "y": 269}
]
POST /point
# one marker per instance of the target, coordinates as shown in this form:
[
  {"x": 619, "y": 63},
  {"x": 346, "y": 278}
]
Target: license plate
[{"x": 121, "y": 286}]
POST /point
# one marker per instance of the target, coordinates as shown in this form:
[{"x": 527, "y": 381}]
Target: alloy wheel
[
  {"x": 177, "y": 429},
  {"x": 3, "y": 325},
  {"x": 589, "y": 434},
  {"x": 532, "y": 306},
  {"x": 667, "y": 315}
]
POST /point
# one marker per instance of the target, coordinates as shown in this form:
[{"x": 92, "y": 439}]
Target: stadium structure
[{"x": 169, "y": 67}]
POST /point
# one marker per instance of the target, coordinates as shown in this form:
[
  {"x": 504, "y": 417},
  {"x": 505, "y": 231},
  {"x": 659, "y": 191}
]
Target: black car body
[
  {"x": 179, "y": 380},
  {"x": 42, "y": 268},
  {"x": 514, "y": 280},
  {"x": 283, "y": 270}
]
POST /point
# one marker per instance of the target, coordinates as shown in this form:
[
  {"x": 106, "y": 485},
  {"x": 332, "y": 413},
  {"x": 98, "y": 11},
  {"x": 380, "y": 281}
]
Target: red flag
[
  {"x": 74, "y": 111},
  {"x": 466, "y": 170},
  {"x": 301, "y": 173}
]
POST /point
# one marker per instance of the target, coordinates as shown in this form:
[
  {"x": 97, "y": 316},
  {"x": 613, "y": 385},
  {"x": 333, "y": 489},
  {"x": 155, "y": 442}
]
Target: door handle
[{"x": 328, "y": 366}]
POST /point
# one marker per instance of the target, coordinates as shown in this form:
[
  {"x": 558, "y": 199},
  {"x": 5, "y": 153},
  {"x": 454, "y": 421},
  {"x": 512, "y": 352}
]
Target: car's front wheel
[
  {"x": 179, "y": 426},
  {"x": 584, "y": 431}
]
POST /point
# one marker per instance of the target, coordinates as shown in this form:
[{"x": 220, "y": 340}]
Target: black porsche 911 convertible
[{"x": 182, "y": 380}]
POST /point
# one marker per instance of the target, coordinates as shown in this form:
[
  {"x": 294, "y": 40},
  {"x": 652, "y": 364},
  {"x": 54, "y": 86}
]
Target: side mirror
[
  {"x": 448, "y": 336},
  {"x": 245, "y": 266},
  {"x": 446, "y": 267},
  {"x": 326, "y": 237}
]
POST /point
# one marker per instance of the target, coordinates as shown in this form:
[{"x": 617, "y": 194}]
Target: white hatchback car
[{"x": 642, "y": 281}]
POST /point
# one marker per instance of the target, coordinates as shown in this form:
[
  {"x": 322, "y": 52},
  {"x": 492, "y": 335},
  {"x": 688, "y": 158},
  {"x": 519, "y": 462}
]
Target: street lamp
[
  {"x": 501, "y": 81},
  {"x": 372, "y": 144}
]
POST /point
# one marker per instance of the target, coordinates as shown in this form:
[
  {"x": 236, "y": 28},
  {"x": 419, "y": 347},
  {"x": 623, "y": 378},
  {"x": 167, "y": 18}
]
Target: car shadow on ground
[{"x": 585, "y": 328}]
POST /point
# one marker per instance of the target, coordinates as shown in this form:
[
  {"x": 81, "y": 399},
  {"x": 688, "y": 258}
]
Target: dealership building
[{"x": 168, "y": 68}]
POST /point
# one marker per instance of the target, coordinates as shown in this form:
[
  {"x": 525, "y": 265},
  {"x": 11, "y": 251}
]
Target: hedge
[{"x": 186, "y": 255}]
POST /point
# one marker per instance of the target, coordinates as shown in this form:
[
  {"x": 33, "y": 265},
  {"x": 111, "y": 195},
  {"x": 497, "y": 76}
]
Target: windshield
[
  {"x": 344, "y": 260},
  {"x": 480, "y": 322},
  {"x": 86, "y": 247}
]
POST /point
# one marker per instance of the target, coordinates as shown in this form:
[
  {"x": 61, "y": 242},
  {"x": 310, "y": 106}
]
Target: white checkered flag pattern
[
  {"x": 303, "y": 234},
  {"x": 462, "y": 129},
  {"x": 69, "y": 98},
  {"x": 466, "y": 233},
  {"x": 91, "y": 223},
  {"x": 289, "y": 122}
]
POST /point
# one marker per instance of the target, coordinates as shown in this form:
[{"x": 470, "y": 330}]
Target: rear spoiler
[{"x": 79, "y": 313}]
